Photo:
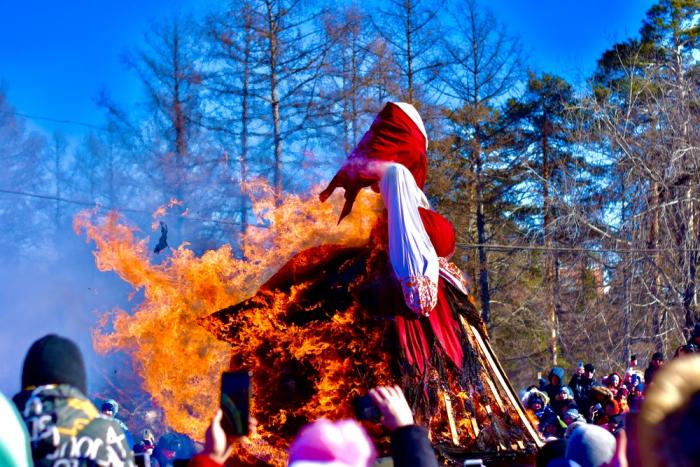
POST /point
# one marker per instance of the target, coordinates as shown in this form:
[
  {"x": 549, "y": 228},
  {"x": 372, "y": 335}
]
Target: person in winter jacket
[
  {"x": 555, "y": 381},
  {"x": 537, "y": 402},
  {"x": 65, "y": 427},
  {"x": 14, "y": 439},
  {"x": 582, "y": 394},
  {"x": 657, "y": 360},
  {"x": 109, "y": 409},
  {"x": 562, "y": 401},
  {"x": 576, "y": 380}
]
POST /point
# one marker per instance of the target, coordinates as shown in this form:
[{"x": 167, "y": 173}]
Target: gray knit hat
[{"x": 591, "y": 446}]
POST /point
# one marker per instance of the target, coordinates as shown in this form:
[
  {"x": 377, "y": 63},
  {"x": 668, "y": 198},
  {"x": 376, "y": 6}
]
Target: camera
[{"x": 365, "y": 409}]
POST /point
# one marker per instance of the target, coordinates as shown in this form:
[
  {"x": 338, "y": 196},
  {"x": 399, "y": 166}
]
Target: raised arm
[{"x": 412, "y": 255}]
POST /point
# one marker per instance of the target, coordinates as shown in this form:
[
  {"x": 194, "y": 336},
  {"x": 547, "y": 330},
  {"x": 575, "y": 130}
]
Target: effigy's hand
[
  {"x": 393, "y": 406},
  {"x": 356, "y": 173}
]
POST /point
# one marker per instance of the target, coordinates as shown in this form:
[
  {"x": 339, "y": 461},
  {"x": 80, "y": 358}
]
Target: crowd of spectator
[
  {"x": 584, "y": 421},
  {"x": 51, "y": 422},
  {"x": 649, "y": 417}
]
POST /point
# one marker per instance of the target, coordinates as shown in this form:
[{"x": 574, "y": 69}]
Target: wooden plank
[
  {"x": 451, "y": 418},
  {"x": 507, "y": 388}
]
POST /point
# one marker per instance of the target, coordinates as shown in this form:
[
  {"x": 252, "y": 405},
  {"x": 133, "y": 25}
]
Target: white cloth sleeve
[{"x": 411, "y": 252}]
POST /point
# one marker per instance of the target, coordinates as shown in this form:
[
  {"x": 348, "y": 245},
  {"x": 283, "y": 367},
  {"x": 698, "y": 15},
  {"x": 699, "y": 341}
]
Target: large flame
[{"x": 179, "y": 361}]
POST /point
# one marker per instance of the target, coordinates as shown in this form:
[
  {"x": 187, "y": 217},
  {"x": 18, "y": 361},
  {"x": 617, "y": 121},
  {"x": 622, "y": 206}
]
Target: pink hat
[{"x": 332, "y": 444}]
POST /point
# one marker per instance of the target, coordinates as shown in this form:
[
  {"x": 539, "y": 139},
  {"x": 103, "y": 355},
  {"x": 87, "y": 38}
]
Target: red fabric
[
  {"x": 440, "y": 231},
  {"x": 393, "y": 137},
  {"x": 445, "y": 329},
  {"x": 202, "y": 460}
]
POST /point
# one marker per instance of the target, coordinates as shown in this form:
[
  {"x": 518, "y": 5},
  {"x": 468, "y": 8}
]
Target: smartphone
[
  {"x": 235, "y": 402},
  {"x": 365, "y": 409}
]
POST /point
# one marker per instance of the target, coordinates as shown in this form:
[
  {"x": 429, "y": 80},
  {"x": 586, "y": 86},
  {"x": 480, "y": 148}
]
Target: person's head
[
  {"x": 568, "y": 404},
  {"x": 550, "y": 426},
  {"x": 590, "y": 445},
  {"x": 553, "y": 450},
  {"x": 686, "y": 349},
  {"x": 536, "y": 400},
  {"x": 589, "y": 370},
  {"x": 613, "y": 380},
  {"x": 669, "y": 422},
  {"x": 622, "y": 393},
  {"x": 657, "y": 360},
  {"x": 565, "y": 393},
  {"x": 147, "y": 435},
  {"x": 556, "y": 376},
  {"x": 54, "y": 360},
  {"x": 579, "y": 369},
  {"x": 110, "y": 408},
  {"x": 635, "y": 380},
  {"x": 570, "y": 416},
  {"x": 612, "y": 408},
  {"x": 341, "y": 444}
]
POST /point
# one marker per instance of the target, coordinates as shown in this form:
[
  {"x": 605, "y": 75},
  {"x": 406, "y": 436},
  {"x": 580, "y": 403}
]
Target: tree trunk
[
  {"x": 244, "y": 126},
  {"x": 274, "y": 100},
  {"x": 409, "y": 51},
  {"x": 549, "y": 258},
  {"x": 655, "y": 285},
  {"x": 179, "y": 124},
  {"x": 484, "y": 292}
]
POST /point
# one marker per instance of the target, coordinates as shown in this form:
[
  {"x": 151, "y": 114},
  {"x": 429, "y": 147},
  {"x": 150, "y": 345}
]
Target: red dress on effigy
[{"x": 405, "y": 312}]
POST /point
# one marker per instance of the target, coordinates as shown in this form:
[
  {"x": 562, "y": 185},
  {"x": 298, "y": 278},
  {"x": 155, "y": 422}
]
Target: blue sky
[{"x": 55, "y": 56}]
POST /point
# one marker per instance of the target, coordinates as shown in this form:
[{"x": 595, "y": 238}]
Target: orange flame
[{"x": 179, "y": 361}]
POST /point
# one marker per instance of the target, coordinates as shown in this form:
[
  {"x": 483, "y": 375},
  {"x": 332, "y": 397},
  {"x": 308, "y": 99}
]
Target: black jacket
[
  {"x": 410, "y": 447},
  {"x": 65, "y": 428}
]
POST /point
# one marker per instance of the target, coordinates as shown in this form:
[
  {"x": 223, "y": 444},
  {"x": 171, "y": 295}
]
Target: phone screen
[
  {"x": 365, "y": 409},
  {"x": 235, "y": 402}
]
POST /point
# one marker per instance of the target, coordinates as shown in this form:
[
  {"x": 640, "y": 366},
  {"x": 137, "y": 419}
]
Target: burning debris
[{"x": 163, "y": 240}]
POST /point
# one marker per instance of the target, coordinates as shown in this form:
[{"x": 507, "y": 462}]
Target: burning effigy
[
  {"x": 320, "y": 313},
  {"x": 335, "y": 321}
]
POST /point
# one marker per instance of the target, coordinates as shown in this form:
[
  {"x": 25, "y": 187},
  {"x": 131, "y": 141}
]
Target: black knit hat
[
  {"x": 657, "y": 356},
  {"x": 589, "y": 367},
  {"x": 54, "y": 360}
]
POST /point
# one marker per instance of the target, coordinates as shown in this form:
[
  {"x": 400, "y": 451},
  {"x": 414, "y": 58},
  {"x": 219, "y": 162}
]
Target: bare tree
[
  {"x": 482, "y": 65},
  {"x": 410, "y": 27},
  {"x": 168, "y": 68}
]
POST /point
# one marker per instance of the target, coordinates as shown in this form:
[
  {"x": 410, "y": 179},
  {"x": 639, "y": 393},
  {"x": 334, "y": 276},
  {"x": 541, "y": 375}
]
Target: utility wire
[
  {"x": 51, "y": 119},
  {"x": 466, "y": 246},
  {"x": 121, "y": 209},
  {"x": 499, "y": 247}
]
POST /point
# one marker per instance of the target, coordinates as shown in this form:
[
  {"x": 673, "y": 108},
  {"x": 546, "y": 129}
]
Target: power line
[
  {"x": 501, "y": 247},
  {"x": 118, "y": 208},
  {"x": 52, "y": 119},
  {"x": 486, "y": 246}
]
